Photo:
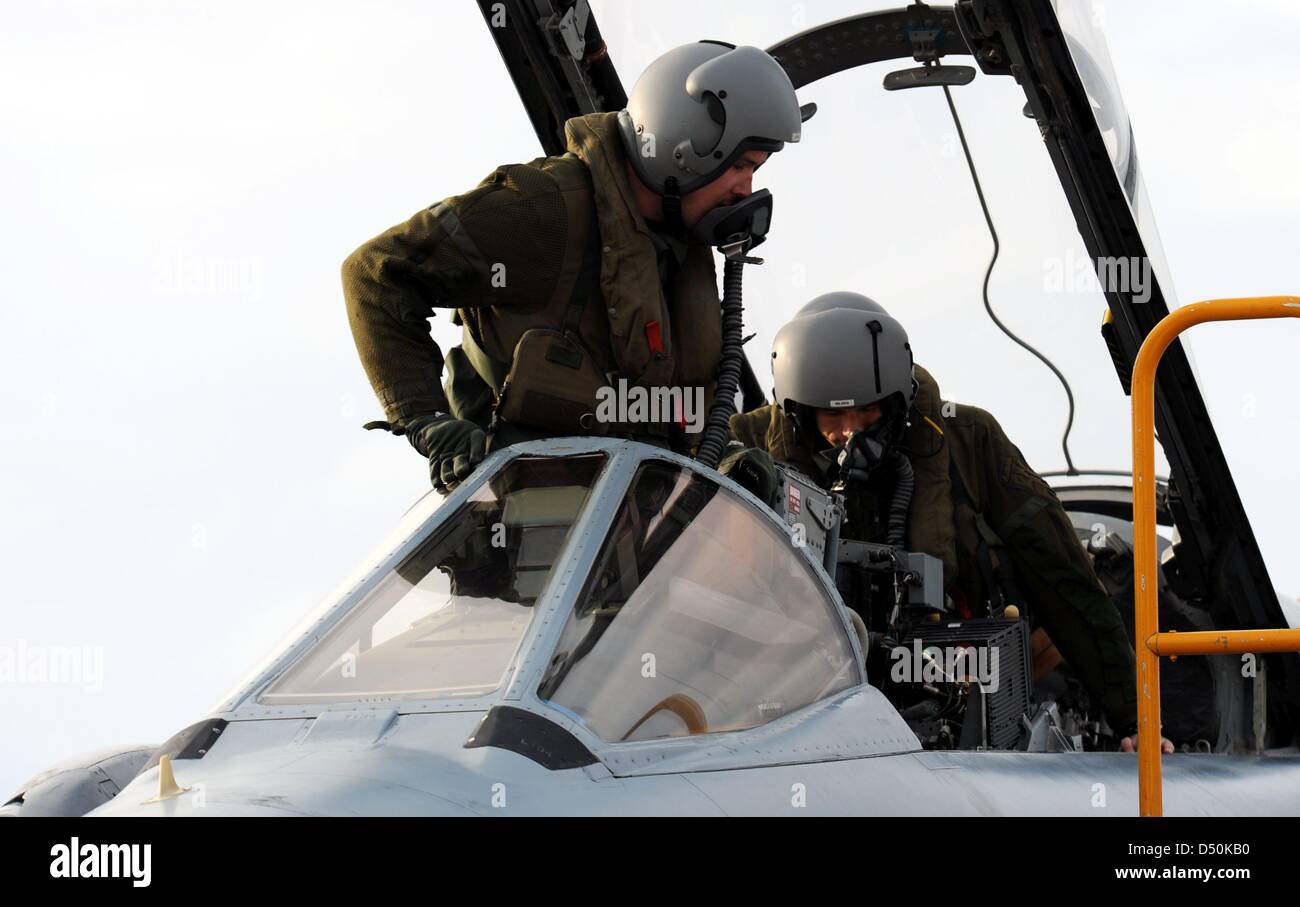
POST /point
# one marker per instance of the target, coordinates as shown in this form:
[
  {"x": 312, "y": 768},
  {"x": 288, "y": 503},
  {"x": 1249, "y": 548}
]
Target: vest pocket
[{"x": 553, "y": 385}]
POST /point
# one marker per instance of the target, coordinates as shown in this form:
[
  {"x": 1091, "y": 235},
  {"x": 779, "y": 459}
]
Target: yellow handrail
[
  {"x": 1219, "y": 642},
  {"x": 1146, "y": 619}
]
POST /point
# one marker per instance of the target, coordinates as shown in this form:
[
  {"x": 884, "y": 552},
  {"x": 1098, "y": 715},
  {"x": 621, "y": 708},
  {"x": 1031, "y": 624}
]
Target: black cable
[
  {"x": 979, "y": 191},
  {"x": 717, "y": 427},
  {"x": 901, "y": 500}
]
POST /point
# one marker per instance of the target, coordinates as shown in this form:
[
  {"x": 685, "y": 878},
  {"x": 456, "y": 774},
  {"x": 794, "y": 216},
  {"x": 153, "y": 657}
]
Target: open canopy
[{"x": 1054, "y": 57}]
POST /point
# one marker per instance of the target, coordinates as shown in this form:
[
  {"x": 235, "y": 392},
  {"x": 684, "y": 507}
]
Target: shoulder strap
[
  {"x": 590, "y": 258},
  {"x": 580, "y": 210}
]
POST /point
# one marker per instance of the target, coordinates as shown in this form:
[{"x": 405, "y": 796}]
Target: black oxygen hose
[
  {"x": 902, "y": 499},
  {"x": 717, "y": 428}
]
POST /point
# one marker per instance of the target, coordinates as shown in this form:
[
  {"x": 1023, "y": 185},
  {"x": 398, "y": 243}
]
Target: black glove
[
  {"x": 753, "y": 470},
  {"x": 454, "y": 447},
  {"x": 860, "y": 454}
]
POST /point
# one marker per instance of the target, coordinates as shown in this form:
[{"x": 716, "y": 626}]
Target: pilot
[
  {"x": 852, "y": 407},
  {"x": 569, "y": 272}
]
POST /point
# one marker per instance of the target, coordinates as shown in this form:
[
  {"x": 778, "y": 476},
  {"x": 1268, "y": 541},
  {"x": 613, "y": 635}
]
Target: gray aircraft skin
[
  {"x": 730, "y": 678},
  {"x": 848, "y": 753}
]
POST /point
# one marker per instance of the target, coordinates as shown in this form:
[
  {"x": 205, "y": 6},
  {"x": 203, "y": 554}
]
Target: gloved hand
[
  {"x": 753, "y": 470},
  {"x": 859, "y": 455},
  {"x": 454, "y": 447}
]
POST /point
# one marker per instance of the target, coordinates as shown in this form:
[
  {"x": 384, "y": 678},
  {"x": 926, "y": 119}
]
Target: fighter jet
[{"x": 595, "y": 626}]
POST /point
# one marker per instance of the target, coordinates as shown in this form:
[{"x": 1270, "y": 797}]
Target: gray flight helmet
[
  {"x": 700, "y": 106},
  {"x": 842, "y": 358},
  {"x": 841, "y": 299}
]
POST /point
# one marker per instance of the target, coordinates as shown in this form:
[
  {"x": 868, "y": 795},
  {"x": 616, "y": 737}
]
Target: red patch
[
  {"x": 795, "y": 503},
  {"x": 653, "y": 338}
]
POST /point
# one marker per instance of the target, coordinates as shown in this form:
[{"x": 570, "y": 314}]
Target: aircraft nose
[{"x": 276, "y": 793}]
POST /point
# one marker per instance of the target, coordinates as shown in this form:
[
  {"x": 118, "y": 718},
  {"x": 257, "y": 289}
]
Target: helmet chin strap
[{"x": 672, "y": 205}]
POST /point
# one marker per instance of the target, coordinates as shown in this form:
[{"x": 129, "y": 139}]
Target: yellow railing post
[{"x": 1152, "y": 643}]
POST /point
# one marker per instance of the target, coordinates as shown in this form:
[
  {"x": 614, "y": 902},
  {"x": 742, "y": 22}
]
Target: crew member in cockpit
[
  {"x": 573, "y": 269},
  {"x": 852, "y": 407}
]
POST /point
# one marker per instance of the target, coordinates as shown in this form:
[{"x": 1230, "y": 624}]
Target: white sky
[{"x": 182, "y": 470}]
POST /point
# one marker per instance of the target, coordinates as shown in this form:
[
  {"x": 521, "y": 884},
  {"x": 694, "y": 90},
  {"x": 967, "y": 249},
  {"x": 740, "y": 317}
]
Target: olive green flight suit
[
  {"x": 990, "y": 490},
  {"x": 555, "y": 246}
]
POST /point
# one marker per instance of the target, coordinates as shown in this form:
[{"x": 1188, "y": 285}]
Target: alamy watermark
[
  {"x": 208, "y": 276},
  {"x": 951, "y": 664},
  {"x": 634, "y": 404},
  {"x": 75, "y": 860},
  {"x": 1073, "y": 273},
  {"x": 36, "y": 664}
]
